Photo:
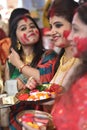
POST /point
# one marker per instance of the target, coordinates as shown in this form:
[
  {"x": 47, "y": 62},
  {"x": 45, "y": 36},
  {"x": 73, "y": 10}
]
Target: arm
[
  {"x": 45, "y": 68},
  {"x": 26, "y": 70}
]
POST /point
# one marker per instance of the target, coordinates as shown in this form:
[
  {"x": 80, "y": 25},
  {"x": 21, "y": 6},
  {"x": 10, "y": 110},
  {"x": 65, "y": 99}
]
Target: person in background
[
  {"x": 70, "y": 113},
  {"x": 4, "y": 51},
  {"x": 28, "y": 55},
  {"x": 47, "y": 39},
  {"x": 48, "y": 42}
]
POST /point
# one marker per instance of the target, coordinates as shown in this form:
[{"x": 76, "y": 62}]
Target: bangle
[{"x": 21, "y": 67}]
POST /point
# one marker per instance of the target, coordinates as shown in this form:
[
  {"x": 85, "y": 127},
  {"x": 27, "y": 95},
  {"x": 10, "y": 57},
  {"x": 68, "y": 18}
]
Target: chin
[{"x": 60, "y": 45}]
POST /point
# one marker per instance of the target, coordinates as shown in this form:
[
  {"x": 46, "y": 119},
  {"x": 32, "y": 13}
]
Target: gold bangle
[{"x": 21, "y": 67}]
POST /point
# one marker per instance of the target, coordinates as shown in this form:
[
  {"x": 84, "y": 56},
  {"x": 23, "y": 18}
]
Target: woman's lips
[
  {"x": 55, "y": 38},
  {"x": 30, "y": 35}
]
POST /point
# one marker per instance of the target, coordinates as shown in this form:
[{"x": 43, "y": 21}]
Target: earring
[{"x": 18, "y": 45}]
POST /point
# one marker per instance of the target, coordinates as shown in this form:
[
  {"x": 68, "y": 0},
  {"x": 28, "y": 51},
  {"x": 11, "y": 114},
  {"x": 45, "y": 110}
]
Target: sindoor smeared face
[
  {"x": 60, "y": 29},
  {"x": 78, "y": 36},
  {"x": 26, "y": 32}
]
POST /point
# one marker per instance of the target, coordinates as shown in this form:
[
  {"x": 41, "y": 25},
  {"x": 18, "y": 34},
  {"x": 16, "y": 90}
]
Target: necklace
[
  {"x": 28, "y": 59},
  {"x": 66, "y": 64},
  {"x": 63, "y": 70}
]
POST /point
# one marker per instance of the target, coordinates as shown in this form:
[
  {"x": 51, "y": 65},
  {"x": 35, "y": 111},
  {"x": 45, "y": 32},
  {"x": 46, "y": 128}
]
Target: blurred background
[{"x": 36, "y": 8}]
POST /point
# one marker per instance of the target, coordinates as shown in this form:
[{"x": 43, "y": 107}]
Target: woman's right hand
[{"x": 31, "y": 83}]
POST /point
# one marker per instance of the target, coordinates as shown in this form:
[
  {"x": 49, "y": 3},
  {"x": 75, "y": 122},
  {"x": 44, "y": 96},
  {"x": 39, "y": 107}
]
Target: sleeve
[
  {"x": 80, "y": 103},
  {"x": 70, "y": 113},
  {"x": 46, "y": 66}
]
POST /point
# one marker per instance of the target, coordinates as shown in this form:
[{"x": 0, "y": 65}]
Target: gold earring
[{"x": 18, "y": 45}]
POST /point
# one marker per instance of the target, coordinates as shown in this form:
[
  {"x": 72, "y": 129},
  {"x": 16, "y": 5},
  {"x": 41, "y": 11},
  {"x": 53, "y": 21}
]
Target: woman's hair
[
  {"x": 82, "y": 10},
  {"x": 38, "y": 48},
  {"x": 82, "y": 68},
  {"x": 16, "y": 13},
  {"x": 65, "y": 9}
]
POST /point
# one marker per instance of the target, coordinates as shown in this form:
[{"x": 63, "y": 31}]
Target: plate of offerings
[
  {"x": 35, "y": 119},
  {"x": 41, "y": 94}
]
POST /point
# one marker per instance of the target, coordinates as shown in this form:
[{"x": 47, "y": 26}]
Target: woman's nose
[
  {"x": 30, "y": 29},
  {"x": 53, "y": 31}
]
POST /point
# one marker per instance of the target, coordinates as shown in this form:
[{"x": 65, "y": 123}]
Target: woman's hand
[
  {"x": 20, "y": 84},
  {"x": 14, "y": 58},
  {"x": 31, "y": 83}
]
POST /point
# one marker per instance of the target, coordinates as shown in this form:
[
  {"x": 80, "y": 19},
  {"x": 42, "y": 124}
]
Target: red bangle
[{"x": 21, "y": 67}]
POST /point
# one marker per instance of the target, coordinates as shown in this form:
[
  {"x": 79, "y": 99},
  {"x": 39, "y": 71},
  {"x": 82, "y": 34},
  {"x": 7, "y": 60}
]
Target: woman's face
[
  {"x": 26, "y": 32},
  {"x": 60, "y": 29},
  {"x": 78, "y": 36}
]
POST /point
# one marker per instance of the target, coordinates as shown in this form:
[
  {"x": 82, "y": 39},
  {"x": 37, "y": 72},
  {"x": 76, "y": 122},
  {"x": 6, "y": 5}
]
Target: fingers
[{"x": 31, "y": 83}]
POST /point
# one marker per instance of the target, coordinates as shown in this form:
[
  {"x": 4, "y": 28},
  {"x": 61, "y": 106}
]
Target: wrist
[{"x": 21, "y": 67}]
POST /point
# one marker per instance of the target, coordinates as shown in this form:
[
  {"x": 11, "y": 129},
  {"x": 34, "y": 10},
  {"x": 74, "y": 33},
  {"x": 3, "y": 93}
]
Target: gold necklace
[
  {"x": 28, "y": 59},
  {"x": 65, "y": 65},
  {"x": 63, "y": 68}
]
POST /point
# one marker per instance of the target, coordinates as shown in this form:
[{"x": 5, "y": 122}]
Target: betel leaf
[{"x": 42, "y": 87}]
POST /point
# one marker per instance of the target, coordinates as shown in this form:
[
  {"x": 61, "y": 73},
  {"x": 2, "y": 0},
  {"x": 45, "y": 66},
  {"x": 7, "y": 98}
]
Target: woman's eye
[
  {"x": 58, "y": 25},
  {"x": 74, "y": 29},
  {"x": 23, "y": 28},
  {"x": 32, "y": 26}
]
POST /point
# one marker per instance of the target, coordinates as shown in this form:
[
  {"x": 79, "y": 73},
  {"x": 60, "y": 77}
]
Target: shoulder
[
  {"x": 80, "y": 84},
  {"x": 50, "y": 53},
  {"x": 82, "y": 80}
]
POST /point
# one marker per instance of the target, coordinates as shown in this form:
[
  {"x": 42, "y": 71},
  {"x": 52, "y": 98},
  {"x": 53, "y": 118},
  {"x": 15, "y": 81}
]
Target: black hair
[
  {"x": 82, "y": 10},
  {"x": 16, "y": 12},
  {"x": 64, "y": 8}
]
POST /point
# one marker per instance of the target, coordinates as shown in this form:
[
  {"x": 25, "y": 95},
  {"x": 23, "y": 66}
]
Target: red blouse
[{"x": 70, "y": 113}]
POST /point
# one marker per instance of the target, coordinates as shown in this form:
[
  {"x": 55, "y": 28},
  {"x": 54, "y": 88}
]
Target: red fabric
[
  {"x": 71, "y": 111},
  {"x": 4, "y": 49}
]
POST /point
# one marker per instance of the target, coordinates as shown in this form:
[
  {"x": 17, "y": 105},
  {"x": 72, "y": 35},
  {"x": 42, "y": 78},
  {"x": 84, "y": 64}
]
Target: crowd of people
[{"x": 66, "y": 68}]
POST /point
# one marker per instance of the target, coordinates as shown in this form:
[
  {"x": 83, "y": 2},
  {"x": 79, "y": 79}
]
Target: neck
[
  {"x": 27, "y": 50},
  {"x": 68, "y": 52}
]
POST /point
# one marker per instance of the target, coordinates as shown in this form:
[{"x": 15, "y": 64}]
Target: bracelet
[{"x": 21, "y": 67}]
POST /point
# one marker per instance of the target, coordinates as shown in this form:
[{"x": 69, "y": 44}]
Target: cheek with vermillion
[
  {"x": 66, "y": 34},
  {"x": 81, "y": 44},
  {"x": 36, "y": 32},
  {"x": 24, "y": 38}
]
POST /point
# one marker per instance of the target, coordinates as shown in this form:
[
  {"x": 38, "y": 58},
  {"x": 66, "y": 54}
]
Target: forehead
[
  {"x": 78, "y": 22},
  {"x": 57, "y": 18},
  {"x": 25, "y": 20}
]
